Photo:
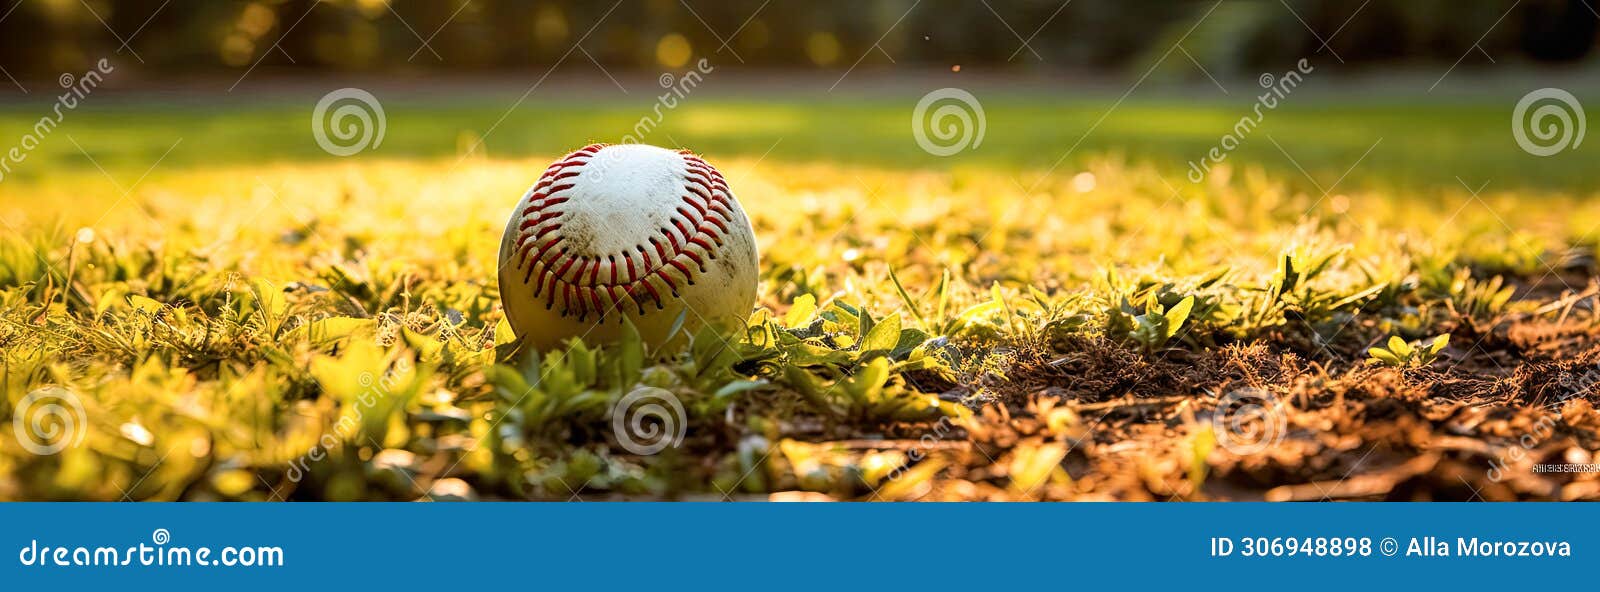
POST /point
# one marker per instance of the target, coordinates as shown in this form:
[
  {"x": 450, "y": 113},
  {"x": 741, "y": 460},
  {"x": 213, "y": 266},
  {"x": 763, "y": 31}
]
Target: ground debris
[{"x": 1127, "y": 426}]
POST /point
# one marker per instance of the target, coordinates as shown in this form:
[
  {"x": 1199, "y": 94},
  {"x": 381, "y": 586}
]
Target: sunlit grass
[{"x": 218, "y": 319}]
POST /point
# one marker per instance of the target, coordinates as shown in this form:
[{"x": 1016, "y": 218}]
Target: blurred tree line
[{"x": 47, "y": 37}]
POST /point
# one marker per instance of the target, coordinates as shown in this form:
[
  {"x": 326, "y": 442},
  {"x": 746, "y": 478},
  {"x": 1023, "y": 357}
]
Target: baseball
[{"x": 626, "y": 231}]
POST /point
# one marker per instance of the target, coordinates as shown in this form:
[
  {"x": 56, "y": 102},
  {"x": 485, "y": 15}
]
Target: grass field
[{"x": 1054, "y": 315}]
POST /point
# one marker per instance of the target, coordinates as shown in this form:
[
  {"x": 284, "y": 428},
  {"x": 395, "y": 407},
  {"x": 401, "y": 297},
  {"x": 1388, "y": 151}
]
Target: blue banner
[{"x": 790, "y": 547}]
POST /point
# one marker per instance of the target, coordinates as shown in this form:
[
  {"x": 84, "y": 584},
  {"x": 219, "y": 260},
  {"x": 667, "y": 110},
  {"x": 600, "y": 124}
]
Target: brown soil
[{"x": 1519, "y": 392}]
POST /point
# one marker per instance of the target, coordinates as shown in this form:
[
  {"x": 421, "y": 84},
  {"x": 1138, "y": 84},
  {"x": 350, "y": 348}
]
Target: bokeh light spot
[
  {"x": 673, "y": 51},
  {"x": 823, "y": 48}
]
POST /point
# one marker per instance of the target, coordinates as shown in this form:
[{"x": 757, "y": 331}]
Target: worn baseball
[{"x": 626, "y": 231}]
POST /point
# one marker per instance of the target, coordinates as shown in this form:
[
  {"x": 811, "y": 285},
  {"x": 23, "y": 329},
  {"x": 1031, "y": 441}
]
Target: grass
[
  {"x": 253, "y": 320},
  {"x": 1426, "y": 141}
]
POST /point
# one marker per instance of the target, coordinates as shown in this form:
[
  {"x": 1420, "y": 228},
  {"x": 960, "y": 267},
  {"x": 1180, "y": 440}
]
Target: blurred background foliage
[{"x": 41, "y": 38}]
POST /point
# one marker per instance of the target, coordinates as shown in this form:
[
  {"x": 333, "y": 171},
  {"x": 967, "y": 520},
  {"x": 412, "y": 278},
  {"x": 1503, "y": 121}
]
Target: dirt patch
[{"x": 1253, "y": 422}]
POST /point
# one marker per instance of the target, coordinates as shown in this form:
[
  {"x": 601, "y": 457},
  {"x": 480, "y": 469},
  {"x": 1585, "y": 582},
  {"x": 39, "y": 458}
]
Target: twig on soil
[{"x": 1119, "y": 404}]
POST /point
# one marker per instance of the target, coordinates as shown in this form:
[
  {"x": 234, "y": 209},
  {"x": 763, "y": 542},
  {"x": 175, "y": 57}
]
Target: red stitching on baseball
[
  {"x": 699, "y": 224},
  {"x": 661, "y": 272}
]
